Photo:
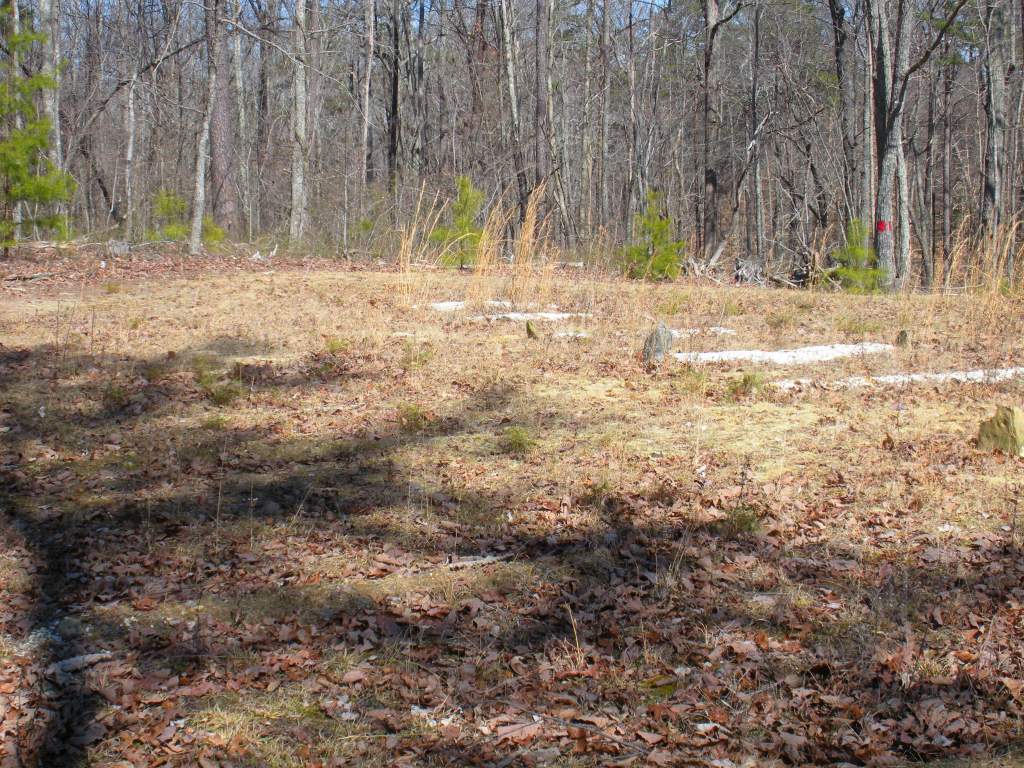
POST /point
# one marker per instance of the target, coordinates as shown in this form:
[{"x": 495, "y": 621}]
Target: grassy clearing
[{"x": 278, "y": 483}]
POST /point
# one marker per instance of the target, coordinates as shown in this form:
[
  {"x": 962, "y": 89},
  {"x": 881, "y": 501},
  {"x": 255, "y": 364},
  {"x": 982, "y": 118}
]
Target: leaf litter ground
[{"x": 292, "y": 519}]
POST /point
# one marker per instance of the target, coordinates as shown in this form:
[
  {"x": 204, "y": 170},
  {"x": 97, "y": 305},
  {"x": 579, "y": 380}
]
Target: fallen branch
[
  {"x": 470, "y": 562},
  {"x": 36, "y": 276}
]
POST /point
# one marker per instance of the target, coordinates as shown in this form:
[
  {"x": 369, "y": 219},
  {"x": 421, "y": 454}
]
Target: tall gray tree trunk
[
  {"x": 752, "y": 267},
  {"x": 394, "y": 111},
  {"x": 840, "y": 35},
  {"x": 902, "y": 250},
  {"x": 606, "y": 106},
  {"x": 947, "y": 175},
  {"x": 867, "y": 195},
  {"x": 244, "y": 160},
  {"x": 129, "y": 162},
  {"x": 541, "y": 127},
  {"x": 195, "y": 241},
  {"x": 888, "y": 119},
  {"x": 224, "y": 192},
  {"x": 510, "y": 58},
  {"x": 16, "y": 212},
  {"x": 586, "y": 210},
  {"x": 995, "y": 115},
  {"x": 892, "y": 73},
  {"x": 365, "y": 149},
  {"x": 49, "y": 23},
  {"x": 557, "y": 168},
  {"x": 708, "y": 201},
  {"x": 297, "y": 220}
]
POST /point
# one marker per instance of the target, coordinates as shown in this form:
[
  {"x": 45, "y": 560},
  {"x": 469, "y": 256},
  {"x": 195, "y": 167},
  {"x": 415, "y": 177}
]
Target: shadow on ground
[{"x": 226, "y": 570}]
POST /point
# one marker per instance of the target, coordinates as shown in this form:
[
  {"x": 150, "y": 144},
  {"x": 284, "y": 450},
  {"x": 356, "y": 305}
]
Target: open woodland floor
[{"x": 296, "y": 517}]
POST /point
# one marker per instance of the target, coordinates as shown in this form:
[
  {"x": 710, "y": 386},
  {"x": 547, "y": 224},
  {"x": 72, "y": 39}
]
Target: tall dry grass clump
[
  {"x": 482, "y": 285},
  {"x": 531, "y": 269},
  {"x": 414, "y": 247}
]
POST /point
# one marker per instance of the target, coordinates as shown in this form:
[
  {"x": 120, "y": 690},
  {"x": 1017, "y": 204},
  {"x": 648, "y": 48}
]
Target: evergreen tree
[
  {"x": 857, "y": 267},
  {"x": 656, "y": 254},
  {"x": 27, "y": 178}
]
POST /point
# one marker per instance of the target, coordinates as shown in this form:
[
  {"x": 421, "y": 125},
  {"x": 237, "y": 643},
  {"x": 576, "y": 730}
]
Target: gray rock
[
  {"x": 1003, "y": 432},
  {"x": 118, "y": 247},
  {"x": 657, "y": 345}
]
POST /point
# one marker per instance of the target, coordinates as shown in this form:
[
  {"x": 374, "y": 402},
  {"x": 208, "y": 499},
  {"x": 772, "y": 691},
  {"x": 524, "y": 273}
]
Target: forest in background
[{"x": 764, "y": 133}]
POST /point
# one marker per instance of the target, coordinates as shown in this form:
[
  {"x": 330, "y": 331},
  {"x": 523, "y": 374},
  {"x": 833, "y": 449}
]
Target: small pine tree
[
  {"x": 28, "y": 180},
  {"x": 857, "y": 267},
  {"x": 462, "y": 236},
  {"x": 656, "y": 256}
]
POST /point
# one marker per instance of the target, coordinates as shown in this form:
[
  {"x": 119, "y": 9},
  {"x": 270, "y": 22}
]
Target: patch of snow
[
  {"x": 522, "y": 316},
  {"x": 572, "y": 335},
  {"x": 980, "y": 376},
  {"x": 715, "y": 330},
  {"x": 455, "y": 306},
  {"x": 798, "y": 356}
]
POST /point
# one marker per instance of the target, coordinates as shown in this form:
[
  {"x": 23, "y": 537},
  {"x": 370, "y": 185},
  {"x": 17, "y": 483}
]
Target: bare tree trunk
[
  {"x": 752, "y": 267},
  {"x": 947, "y": 177},
  {"x": 49, "y": 21},
  {"x": 418, "y": 81},
  {"x": 224, "y": 194},
  {"x": 634, "y": 194},
  {"x": 297, "y": 220},
  {"x": 555, "y": 168},
  {"x": 867, "y": 197},
  {"x": 365, "y": 149},
  {"x": 888, "y": 128},
  {"x": 129, "y": 164},
  {"x": 243, "y": 126},
  {"x": 509, "y": 55},
  {"x": 394, "y": 104},
  {"x": 995, "y": 115},
  {"x": 586, "y": 210},
  {"x": 606, "y": 87},
  {"x": 902, "y": 219},
  {"x": 16, "y": 213},
  {"x": 268, "y": 18},
  {"x": 892, "y": 73},
  {"x": 837, "y": 10},
  {"x": 708, "y": 201},
  {"x": 709, "y": 224},
  {"x": 541, "y": 128},
  {"x": 195, "y": 242}
]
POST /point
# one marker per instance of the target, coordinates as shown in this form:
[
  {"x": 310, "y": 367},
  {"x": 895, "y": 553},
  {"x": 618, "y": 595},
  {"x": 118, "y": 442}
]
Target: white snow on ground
[
  {"x": 715, "y": 330},
  {"x": 455, "y": 306},
  {"x": 520, "y": 316},
  {"x": 798, "y": 356},
  {"x": 981, "y": 376},
  {"x": 572, "y": 335}
]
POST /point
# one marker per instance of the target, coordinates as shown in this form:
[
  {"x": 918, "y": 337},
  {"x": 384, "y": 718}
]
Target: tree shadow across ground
[{"x": 338, "y": 605}]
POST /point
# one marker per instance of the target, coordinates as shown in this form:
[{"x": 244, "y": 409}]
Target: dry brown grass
[{"x": 605, "y": 428}]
